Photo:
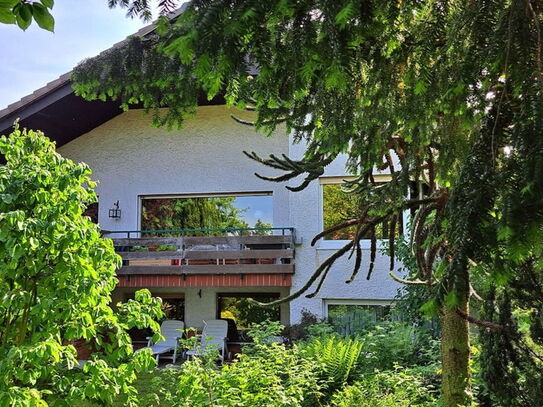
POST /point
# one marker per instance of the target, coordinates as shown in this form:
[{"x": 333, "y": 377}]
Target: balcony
[{"x": 187, "y": 252}]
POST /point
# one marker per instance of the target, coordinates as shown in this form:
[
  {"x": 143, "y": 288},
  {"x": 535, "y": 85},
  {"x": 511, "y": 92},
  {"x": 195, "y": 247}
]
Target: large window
[
  {"x": 340, "y": 206},
  {"x": 207, "y": 212},
  {"x": 356, "y": 317},
  {"x": 243, "y": 312}
]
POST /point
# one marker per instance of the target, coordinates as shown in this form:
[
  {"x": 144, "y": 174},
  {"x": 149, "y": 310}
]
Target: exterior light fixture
[{"x": 115, "y": 212}]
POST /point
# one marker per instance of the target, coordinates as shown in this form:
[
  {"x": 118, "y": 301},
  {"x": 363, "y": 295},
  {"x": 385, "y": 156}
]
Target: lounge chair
[
  {"x": 172, "y": 330},
  {"x": 213, "y": 337}
]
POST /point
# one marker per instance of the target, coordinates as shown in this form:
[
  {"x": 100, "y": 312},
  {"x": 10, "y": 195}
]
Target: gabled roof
[{"x": 58, "y": 112}]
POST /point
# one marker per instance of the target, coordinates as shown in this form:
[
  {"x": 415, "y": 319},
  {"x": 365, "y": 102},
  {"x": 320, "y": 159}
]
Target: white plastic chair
[
  {"x": 172, "y": 330},
  {"x": 214, "y": 337}
]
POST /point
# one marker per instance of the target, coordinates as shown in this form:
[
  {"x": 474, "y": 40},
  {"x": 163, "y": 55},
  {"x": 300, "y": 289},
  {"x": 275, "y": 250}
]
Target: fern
[
  {"x": 338, "y": 357},
  {"x": 346, "y": 13}
]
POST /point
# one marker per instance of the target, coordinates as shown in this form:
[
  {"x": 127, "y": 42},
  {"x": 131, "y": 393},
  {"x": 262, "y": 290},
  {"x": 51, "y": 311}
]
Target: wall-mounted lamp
[
  {"x": 200, "y": 293},
  {"x": 115, "y": 212}
]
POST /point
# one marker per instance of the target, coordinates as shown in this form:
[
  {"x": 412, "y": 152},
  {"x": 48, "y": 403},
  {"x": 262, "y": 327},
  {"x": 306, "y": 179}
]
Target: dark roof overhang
[{"x": 63, "y": 116}]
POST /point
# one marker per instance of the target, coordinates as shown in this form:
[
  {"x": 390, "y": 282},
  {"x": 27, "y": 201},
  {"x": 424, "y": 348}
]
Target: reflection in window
[
  {"x": 173, "y": 307},
  {"x": 350, "y": 319},
  {"x": 216, "y": 212},
  {"x": 243, "y": 312},
  {"x": 340, "y": 206}
]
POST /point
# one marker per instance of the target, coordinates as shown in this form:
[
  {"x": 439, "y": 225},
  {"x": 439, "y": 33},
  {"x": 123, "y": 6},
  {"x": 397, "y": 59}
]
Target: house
[{"x": 149, "y": 176}]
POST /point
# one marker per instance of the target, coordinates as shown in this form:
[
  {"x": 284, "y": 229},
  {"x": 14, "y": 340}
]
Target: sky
[
  {"x": 257, "y": 207},
  {"x": 83, "y": 28}
]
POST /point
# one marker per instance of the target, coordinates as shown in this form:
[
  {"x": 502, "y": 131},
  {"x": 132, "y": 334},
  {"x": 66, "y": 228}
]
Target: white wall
[
  {"x": 306, "y": 217},
  {"x": 130, "y": 158}
]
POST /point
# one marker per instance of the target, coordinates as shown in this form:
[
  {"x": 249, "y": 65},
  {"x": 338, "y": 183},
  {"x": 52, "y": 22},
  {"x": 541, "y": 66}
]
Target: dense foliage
[
  {"x": 56, "y": 276},
  {"x": 442, "y": 94},
  {"x": 325, "y": 370}
]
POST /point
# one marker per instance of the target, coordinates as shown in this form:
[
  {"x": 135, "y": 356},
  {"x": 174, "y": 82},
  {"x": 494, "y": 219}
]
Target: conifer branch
[
  {"x": 408, "y": 282},
  {"x": 484, "y": 324},
  {"x": 317, "y": 273}
]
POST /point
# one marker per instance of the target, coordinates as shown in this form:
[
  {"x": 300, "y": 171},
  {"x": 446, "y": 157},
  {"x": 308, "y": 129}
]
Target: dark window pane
[
  {"x": 174, "y": 308},
  {"x": 92, "y": 212},
  {"x": 350, "y": 319},
  {"x": 243, "y": 312}
]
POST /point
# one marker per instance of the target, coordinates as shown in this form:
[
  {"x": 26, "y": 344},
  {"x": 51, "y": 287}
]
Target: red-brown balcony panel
[{"x": 205, "y": 261}]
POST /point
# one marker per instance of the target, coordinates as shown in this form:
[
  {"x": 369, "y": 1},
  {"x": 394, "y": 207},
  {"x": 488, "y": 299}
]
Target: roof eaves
[{"x": 64, "y": 79}]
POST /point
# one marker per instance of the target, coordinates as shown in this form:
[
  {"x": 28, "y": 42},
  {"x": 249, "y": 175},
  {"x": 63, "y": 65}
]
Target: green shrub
[
  {"x": 271, "y": 376},
  {"x": 398, "y": 343},
  {"x": 395, "y": 388},
  {"x": 338, "y": 359},
  {"x": 323, "y": 371},
  {"x": 300, "y": 331},
  {"x": 56, "y": 279}
]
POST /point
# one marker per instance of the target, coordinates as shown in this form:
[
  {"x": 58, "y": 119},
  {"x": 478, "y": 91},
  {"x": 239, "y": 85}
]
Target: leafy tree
[
  {"x": 56, "y": 276},
  {"x": 143, "y": 8},
  {"x": 22, "y": 12},
  {"x": 442, "y": 93},
  {"x": 264, "y": 225}
]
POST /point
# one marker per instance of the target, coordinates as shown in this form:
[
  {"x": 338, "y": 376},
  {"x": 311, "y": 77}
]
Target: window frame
[
  {"x": 330, "y": 244},
  {"x": 326, "y": 302},
  {"x": 141, "y": 198}
]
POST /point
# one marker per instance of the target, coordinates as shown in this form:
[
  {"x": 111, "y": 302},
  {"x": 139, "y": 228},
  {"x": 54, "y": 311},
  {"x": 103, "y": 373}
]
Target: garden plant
[{"x": 56, "y": 276}]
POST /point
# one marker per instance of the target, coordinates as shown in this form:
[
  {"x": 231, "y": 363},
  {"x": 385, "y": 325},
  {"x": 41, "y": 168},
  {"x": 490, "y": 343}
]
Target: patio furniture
[
  {"x": 172, "y": 330},
  {"x": 213, "y": 337}
]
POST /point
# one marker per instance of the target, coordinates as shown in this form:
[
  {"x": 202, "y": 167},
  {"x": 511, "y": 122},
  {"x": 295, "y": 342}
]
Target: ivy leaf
[
  {"x": 430, "y": 308},
  {"x": 43, "y": 17},
  {"x": 451, "y": 299}
]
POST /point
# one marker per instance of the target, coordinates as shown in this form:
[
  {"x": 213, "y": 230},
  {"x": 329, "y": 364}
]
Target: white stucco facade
[
  {"x": 307, "y": 218},
  {"x": 131, "y": 159}
]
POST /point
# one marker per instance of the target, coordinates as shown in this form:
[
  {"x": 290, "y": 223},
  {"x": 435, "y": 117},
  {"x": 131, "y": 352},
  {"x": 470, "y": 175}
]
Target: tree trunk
[{"x": 455, "y": 353}]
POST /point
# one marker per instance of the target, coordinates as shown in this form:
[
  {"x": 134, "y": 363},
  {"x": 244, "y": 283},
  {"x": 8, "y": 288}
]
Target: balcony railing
[{"x": 205, "y": 251}]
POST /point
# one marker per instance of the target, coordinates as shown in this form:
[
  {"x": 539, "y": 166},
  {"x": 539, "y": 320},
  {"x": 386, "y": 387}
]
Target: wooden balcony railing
[{"x": 173, "y": 252}]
